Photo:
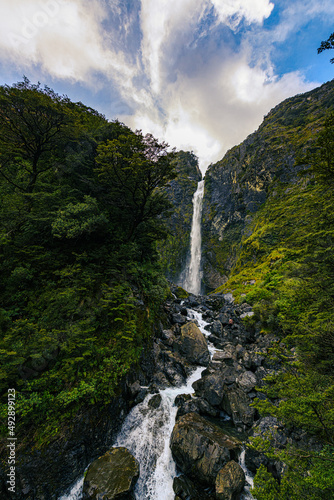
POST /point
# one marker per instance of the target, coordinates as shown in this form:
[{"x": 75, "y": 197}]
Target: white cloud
[
  {"x": 63, "y": 37},
  {"x": 231, "y": 12},
  {"x": 181, "y": 84}
]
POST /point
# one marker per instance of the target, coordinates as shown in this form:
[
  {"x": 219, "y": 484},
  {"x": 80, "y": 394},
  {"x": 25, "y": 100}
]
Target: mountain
[{"x": 255, "y": 173}]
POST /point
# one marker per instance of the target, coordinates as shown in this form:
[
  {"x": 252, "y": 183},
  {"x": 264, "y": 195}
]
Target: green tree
[
  {"x": 35, "y": 125},
  {"x": 132, "y": 171},
  {"x": 326, "y": 45}
]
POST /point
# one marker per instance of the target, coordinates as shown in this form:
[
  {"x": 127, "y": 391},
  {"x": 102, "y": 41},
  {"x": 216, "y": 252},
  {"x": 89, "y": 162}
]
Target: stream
[{"x": 146, "y": 433}]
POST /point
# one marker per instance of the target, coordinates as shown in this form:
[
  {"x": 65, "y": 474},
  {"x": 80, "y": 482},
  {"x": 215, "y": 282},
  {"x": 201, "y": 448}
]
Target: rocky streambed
[{"x": 187, "y": 429}]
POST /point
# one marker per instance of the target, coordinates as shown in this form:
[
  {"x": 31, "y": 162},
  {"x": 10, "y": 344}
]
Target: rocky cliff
[
  {"x": 180, "y": 192},
  {"x": 255, "y": 172}
]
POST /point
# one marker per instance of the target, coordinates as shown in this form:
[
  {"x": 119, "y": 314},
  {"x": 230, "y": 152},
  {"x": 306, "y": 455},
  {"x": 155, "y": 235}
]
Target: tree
[
  {"x": 133, "y": 169},
  {"x": 35, "y": 125},
  {"x": 327, "y": 44}
]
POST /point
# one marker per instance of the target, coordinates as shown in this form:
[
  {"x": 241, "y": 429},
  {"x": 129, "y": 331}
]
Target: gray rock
[
  {"x": 230, "y": 481},
  {"x": 247, "y": 381},
  {"x": 236, "y": 404},
  {"x": 216, "y": 328},
  {"x": 192, "y": 345},
  {"x": 112, "y": 476},
  {"x": 155, "y": 401},
  {"x": 200, "y": 448}
]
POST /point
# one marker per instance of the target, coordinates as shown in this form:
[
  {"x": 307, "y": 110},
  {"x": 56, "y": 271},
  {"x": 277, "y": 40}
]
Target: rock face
[
  {"x": 112, "y": 476},
  {"x": 237, "y": 185},
  {"x": 193, "y": 346},
  {"x": 201, "y": 448},
  {"x": 230, "y": 481},
  {"x": 180, "y": 193}
]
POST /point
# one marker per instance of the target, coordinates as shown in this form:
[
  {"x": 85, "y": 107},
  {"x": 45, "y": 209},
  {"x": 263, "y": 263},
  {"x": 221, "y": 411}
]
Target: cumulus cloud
[
  {"x": 176, "y": 64},
  {"x": 63, "y": 37},
  {"x": 232, "y": 12}
]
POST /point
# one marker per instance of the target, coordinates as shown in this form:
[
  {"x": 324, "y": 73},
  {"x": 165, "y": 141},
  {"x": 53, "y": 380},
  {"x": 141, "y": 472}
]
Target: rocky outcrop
[
  {"x": 112, "y": 476},
  {"x": 180, "y": 191},
  {"x": 201, "y": 448},
  {"x": 230, "y": 481}
]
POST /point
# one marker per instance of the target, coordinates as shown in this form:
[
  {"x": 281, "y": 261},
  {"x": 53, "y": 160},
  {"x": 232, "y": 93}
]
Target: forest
[{"x": 80, "y": 218}]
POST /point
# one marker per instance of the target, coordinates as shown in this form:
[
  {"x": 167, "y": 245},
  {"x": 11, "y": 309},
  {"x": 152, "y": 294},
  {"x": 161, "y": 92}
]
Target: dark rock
[
  {"x": 197, "y": 405},
  {"x": 141, "y": 396},
  {"x": 112, "y": 476},
  {"x": 192, "y": 345},
  {"x": 178, "y": 318},
  {"x": 200, "y": 448},
  {"x": 216, "y": 328},
  {"x": 236, "y": 404},
  {"x": 230, "y": 481},
  {"x": 224, "y": 319},
  {"x": 217, "y": 342},
  {"x": 211, "y": 388},
  {"x": 185, "y": 489},
  {"x": 155, "y": 401}
]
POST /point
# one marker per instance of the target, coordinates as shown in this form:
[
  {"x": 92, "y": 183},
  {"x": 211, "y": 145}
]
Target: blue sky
[{"x": 200, "y": 74}]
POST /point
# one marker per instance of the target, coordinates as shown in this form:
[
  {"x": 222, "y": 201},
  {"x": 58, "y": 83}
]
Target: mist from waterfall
[{"x": 192, "y": 276}]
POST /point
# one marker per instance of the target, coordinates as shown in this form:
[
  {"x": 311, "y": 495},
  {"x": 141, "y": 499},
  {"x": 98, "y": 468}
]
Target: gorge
[{"x": 224, "y": 373}]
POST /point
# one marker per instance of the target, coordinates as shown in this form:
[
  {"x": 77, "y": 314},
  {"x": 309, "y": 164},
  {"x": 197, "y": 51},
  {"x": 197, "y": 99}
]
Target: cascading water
[
  {"x": 146, "y": 433},
  {"x": 192, "y": 279}
]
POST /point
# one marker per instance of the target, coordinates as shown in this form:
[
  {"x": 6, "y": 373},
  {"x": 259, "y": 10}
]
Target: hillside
[
  {"x": 268, "y": 232},
  {"x": 256, "y": 171}
]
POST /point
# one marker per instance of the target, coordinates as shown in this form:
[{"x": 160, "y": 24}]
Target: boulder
[
  {"x": 155, "y": 401},
  {"x": 192, "y": 345},
  {"x": 230, "y": 481},
  {"x": 247, "y": 381},
  {"x": 211, "y": 388},
  {"x": 112, "y": 476},
  {"x": 236, "y": 404},
  {"x": 201, "y": 448},
  {"x": 184, "y": 488},
  {"x": 216, "y": 328}
]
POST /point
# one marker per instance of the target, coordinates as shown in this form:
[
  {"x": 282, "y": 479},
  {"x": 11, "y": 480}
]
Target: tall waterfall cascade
[{"x": 192, "y": 278}]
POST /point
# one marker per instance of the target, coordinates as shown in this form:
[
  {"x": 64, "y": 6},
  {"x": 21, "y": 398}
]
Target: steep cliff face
[
  {"x": 254, "y": 172},
  {"x": 180, "y": 192}
]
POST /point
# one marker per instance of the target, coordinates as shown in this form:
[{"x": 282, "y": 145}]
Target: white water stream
[
  {"x": 146, "y": 433},
  {"x": 192, "y": 278}
]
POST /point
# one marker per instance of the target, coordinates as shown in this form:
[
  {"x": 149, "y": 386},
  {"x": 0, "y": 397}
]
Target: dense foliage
[
  {"x": 285, "y": 269},
  {"x": 80, "y": 218}
]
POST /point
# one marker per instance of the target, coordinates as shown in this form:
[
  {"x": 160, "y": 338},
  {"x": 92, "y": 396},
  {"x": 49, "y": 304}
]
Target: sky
[{"x": 199, "y": 74}]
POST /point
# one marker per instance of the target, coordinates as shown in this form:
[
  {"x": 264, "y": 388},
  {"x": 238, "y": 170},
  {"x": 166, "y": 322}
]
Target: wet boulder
[
  {"x": 211, "y": 388},
  {"x": 236, "y": 404},
  {"x": 112, "y": 476},
  {"x": 201, "y": 448},
  {"x": 192, "y": 345},
  {"x": 184, "y": 488},
  {"x": 230, "y": 481}
]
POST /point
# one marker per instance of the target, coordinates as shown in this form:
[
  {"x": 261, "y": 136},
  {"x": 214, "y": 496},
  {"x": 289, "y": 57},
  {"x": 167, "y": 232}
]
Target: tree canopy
[{"x": 81, "y": 212}]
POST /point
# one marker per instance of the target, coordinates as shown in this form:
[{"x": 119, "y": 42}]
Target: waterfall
[{"x": 192, "y": 279}]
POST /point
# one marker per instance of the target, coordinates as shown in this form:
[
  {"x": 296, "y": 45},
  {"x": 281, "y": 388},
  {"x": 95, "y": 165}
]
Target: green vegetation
[
  {"x": 285, "y": 270},
  {"x": 81, "y": 284}
]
